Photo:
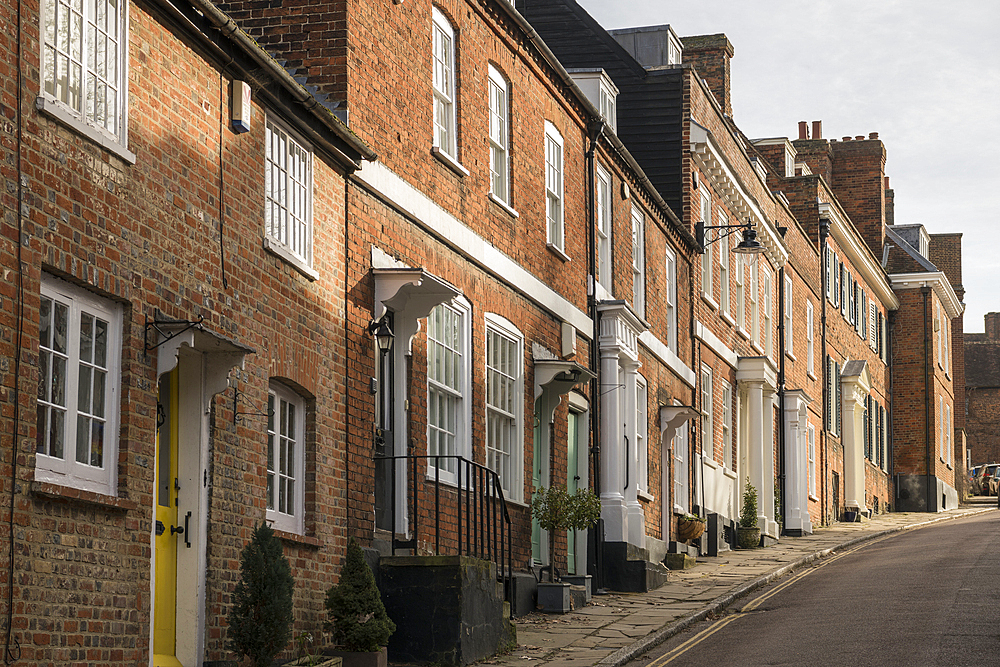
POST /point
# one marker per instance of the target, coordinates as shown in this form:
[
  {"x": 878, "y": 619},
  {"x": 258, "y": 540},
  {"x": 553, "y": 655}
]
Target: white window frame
[
  {"x": 680, "y": 456},
  {"x": 443, "y": 82},
  {"x": 609, "y": 106},
  {"x": 707, "y": 286},
  {"x": 457, "y": 393},
  {"x": 789, "y": 319},
  {"x": 724, "y": 267},
  {"x": 638, "y": 261},
  {"x": 602, "y": 202},
  {"x": 505, "y": 423},
  {"x": 768, "y": 321},
  {"x": 741, "y": 300},
  {"x": 289, "y": 519},
  {"x": 810, "y": 340},
  {"x": 946, "y": 343},
  {"x": 499, "y": 139},
  {"x": 754, "y": 295},
  {"x": 642, "y": 431},
  {"x": 670, "y": 275},
  {"x": 554, "y": 205},
  {"x": 941, "y": 430},
  {"x": 65, "y": 469},
  {"x": 885, "y": 437},
  {"x": 727, "y": 425},
  {"x": 707, "y": 413},
  {"x": 73, "y": 110},
  {"x": 288, "y": 195},
  {"x": 811, "y": 458},
  {"x": 872, "y": 325}
]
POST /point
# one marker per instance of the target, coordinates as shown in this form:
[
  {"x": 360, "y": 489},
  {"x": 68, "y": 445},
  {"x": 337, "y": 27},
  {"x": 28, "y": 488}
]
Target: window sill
[
  {"x": 731, "y": 474},
  {"x": 645, "y": 497},
  {"x": 449, "y": 162},
  {"x": 61, "y": 114},
  {"x": 790, "y": 355},
  {"x": 502, "y": 204},
  {"x": 743, "y": 332},
  {"x": 727, "y": 317},
  {"x": 282, "y": 253},
  {"x": 558, "y": 252},
  {"x": 757, "y": 347},
  {"x": 295, "y": 538},
  {"x": 707, "y": 298},
  {"x": 69, "y": 493},
  {"x": 811, "y": 375},
  {"x": 679, "y": 511},
  {"x": 813, "y": 498}
]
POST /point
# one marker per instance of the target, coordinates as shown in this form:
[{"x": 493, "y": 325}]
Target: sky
[{"x": 924, "y": 74}]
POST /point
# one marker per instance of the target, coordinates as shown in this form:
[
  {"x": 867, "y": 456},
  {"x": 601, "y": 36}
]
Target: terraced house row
[{"x": 381, "y": 270}]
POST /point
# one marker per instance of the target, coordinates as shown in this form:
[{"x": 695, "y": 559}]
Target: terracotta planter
[
  {"x": 748, "y": 538},
  {"x": 689, "y": 530}
]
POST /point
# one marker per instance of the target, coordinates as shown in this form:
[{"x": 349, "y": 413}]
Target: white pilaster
[
  {"x": 855, "y": 385},
  {"x": 796, "y": 466}
]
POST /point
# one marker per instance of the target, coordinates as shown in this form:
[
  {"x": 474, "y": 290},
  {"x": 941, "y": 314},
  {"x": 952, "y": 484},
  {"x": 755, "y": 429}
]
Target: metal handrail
[{"x": 485, "y": 531}]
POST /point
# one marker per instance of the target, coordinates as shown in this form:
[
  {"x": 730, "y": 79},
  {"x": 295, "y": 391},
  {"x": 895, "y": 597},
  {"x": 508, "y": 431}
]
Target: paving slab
[{"x": 615, "y": 628}]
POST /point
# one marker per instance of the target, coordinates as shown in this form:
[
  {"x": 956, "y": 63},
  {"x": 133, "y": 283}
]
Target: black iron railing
[{"x": 466, "y": 510}]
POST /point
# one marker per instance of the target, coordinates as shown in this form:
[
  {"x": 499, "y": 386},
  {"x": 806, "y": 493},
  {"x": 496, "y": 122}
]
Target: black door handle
[
  {"x": 176, "y": 529},
  {"x": 187, "y": 533}
]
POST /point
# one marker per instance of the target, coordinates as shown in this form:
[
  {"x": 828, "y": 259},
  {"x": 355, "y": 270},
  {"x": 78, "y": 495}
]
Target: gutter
[{"x": 928, "y": 397}]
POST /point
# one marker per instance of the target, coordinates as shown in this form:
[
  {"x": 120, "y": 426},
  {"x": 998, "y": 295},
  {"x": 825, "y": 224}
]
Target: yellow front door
[{"x": 166, "y": 534}]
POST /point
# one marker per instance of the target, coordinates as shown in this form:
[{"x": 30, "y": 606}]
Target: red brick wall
[{"x": 858, "y": 181}]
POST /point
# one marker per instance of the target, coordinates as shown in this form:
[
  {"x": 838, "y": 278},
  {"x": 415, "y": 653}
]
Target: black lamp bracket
[
  {"x": 700, "y": 227},
  {"x": 244, "y": 416}
]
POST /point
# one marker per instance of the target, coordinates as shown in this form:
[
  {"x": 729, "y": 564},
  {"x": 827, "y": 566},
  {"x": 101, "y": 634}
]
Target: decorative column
[
  {"x": 758, "y": 378},
  {"x": 618, "y": 345},
  {"x": 796, "y": 490},
  {"x": 855, "y": 385},
  {"x": 765, "y": 495}
]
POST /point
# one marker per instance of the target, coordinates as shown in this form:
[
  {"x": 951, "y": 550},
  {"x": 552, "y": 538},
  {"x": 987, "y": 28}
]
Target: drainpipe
[
  {"x": 890, "y": 450},
  {"x": 595, "y": 128},
  {"x": 782, "y": 478},
  {"x": 925, "y": 292},
  {"x": 824, "y": 233}
]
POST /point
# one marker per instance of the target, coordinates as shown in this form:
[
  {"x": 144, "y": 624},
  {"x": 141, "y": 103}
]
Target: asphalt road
[{"x": 921, "y": 598}]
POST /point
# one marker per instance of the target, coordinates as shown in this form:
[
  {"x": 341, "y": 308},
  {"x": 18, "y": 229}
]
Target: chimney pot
[
  {"x": 860, "y": 137},
  {"x": 873, "y": 135},
  {"x": 887, "y": 183},
  {"x": 817, "y": 129},
  {"x": 847, "y": 138},
  {"x": 803, "y": 130}
]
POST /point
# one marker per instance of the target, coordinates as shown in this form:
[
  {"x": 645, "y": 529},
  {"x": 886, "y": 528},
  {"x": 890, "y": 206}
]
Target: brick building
[{"x": 982, "y": 392}]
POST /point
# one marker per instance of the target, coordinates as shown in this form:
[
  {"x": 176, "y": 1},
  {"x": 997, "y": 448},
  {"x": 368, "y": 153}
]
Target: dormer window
[{"x": 601, "y": 91}]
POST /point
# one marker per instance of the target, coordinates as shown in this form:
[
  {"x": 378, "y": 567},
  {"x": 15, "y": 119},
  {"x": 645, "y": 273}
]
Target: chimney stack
[
  {"x": 710, "y": 56},
  {"x": 993, "y": 326},
  {"x": 803, "y": 130},
  {"x": 859, "y": 183},
  {"x": 817, "y": 129}
]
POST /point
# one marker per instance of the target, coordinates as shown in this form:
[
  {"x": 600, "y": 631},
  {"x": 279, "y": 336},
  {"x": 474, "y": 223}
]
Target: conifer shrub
[
  {"x": 748, "y": 517},
  {"x": 261, "y": 616},
  {"x": 358, "y": 621}
]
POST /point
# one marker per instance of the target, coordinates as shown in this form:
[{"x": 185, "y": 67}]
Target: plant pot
[
  {"x": 748, "y": 538},
  {"x": 316, "y": 661},
  {"x": 552, "y": 597},
  {"x": 689, "y": 530},
  {"x": 851, "y": 516},
  {"x": 584, "y": 580},
  {"x": 361, "y": 658}
]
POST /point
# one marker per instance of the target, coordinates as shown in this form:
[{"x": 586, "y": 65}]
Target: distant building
[{"x": 982, "y": 392}]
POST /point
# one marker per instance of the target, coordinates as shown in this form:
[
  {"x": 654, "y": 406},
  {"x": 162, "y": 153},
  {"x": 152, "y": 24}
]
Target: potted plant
[
  {"x": 689, "y": 527},
  {"x": 261, "y": 616},
  {"x": 748, "y": 533},
  {"x": 358, "y": 621},
  {"x": 305, "y": 657},
  {"x": 555, "y": 509}
]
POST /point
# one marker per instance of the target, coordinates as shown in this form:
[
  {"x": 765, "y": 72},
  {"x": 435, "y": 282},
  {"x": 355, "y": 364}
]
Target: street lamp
[
  {"x": 380, "y": 331},
  {"x": 749, "y": 245}
]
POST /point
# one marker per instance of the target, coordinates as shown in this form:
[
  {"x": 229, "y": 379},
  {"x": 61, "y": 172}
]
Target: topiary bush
[
  {"x": 748, "y": 517},
  {"x": 358, "y": 620},
  {"x": 261, "y": 616}
]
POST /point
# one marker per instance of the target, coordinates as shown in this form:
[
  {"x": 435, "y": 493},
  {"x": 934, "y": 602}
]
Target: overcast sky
[{"x": 924, "y": 74}]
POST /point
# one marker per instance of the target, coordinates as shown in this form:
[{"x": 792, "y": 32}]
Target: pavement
[{"x": 615, "y": 628}]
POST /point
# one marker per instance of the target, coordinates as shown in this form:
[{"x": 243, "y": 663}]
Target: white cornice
[
  {"x": 859, "y": 255},
  {"x": 937, "y": 281},
  {"x": 711, "y": 160}
]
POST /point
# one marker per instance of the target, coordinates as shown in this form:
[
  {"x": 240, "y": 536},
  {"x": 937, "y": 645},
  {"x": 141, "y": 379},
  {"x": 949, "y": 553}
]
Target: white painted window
[
  {"x": 499, "y": 97},
  {"x": 727, "y": 424},
  {"x": 638, "y": 262},
  {"x": 740, "y": 299},
  {"x": 789, "y": 319},
  {"x": 873, "y": 325},
  {"x": 707, "y": 413},
  {"x": 724, "y": 267},
  {"x": 947, "y": 434},
  {"x": 641, "y": 431},
  {"x": 84, "y": 61},
  {"x": 603, "y": 203},
  {"x": 768, "y": 326},
  {"x": 554, "y": 186},
  {"x": 810, "y": 345},
  {"x": 77, "y": 410},
  {"x": 707, "y": 288},
  {"x": 670, "y": 277},
  {"x": 946, "y": 342},
  {"x": 885, "y": 438},
  {"x": 448, "y": 404},
  {"x": 288, "y": 188},
  {"x": 753, "y": 292},
  {"x": 444, "y": 84},
  {"x": 811, "y": 458},
  {"x": 285, "y": 459},
  {"x": 681, "y": 469},
  {"x": 941, "y": 428},
  {"x": 609, "y": 106},
  {"x": 845, "y": 294},
  {"x": 505, "y": 404}
]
